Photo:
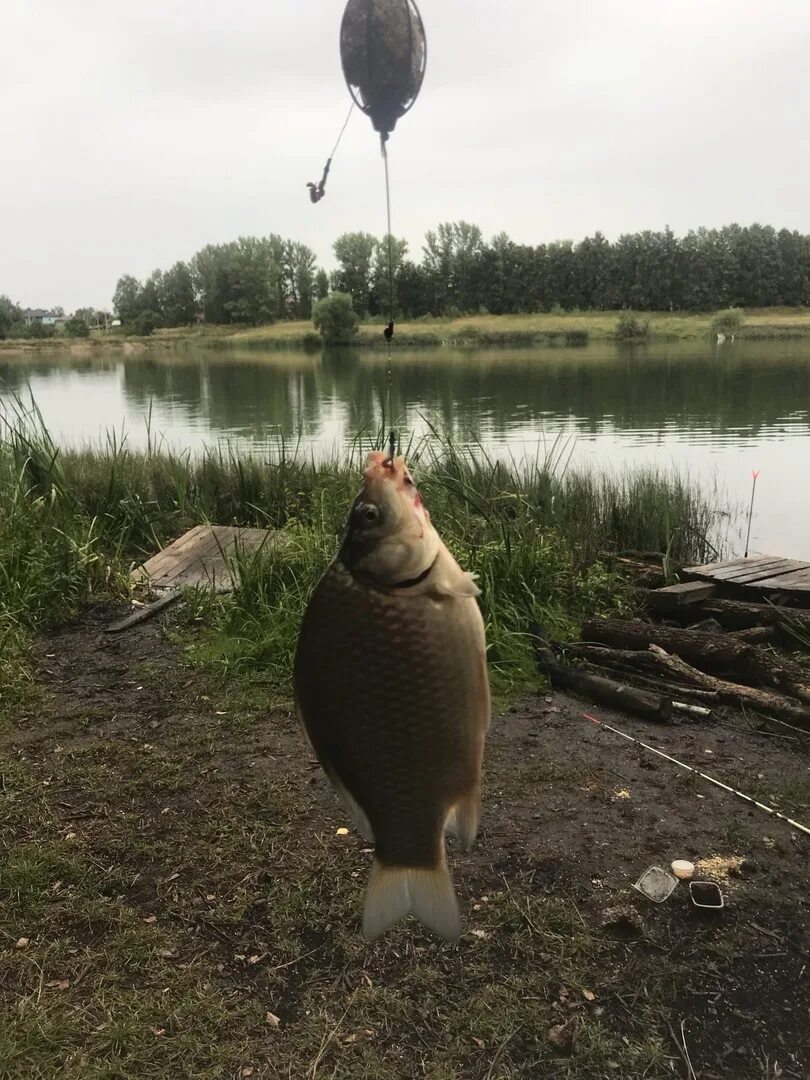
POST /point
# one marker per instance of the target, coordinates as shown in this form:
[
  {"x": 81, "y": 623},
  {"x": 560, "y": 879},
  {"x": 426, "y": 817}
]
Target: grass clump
[
  {"x": 630, "y": 328},
  {"x": 730, "y": 321}
]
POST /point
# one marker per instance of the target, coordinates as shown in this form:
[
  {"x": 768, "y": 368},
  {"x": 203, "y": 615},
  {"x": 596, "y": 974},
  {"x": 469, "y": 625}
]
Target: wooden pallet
[
  {"x": 200, "y": 558},
  {"x": 763, "y": 573}
]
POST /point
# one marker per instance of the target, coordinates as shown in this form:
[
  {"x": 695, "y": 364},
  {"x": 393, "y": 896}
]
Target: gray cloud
[{"x": 135, "y": 133}]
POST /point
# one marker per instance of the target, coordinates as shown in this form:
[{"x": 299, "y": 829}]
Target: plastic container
[
  {"x": 656, "y": 884},
  {"x": 706, "y": 894},
  {"x": 683, "y": 869}
]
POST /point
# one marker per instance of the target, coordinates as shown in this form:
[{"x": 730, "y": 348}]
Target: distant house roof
[{"x": 35, "y": 313}]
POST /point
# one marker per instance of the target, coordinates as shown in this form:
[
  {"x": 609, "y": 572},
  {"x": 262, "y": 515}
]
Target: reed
[{"x": 73, "y": 522}]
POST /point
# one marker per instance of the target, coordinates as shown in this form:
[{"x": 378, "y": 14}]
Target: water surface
[{"x": 717, "y": 412}]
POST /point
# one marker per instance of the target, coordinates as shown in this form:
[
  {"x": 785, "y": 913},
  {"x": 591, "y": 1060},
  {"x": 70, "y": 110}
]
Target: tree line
[{"x": 258, "y": 280}]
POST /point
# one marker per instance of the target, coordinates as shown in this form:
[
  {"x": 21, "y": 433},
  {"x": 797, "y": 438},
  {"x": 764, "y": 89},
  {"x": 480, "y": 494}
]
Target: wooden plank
[
  {"x": 760, "y": 569},
  {"x": 157, "y": 564},
  {"x": 205, "y": 545},
  {"x": 788, "y": 583},
  {"x": 143, "y": 613},
  {"x": 200, "y": 557},
  {"x": 710, "y": 569},
  {"x": 784, "y": 566},
  {"x": 688, "y": 592}
]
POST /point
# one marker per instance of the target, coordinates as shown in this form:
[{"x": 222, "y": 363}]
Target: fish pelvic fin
[
  {"x": 396, "y": 891},
  {"x": 462, "y": 821},
  {"x": 355, "y": 810}
]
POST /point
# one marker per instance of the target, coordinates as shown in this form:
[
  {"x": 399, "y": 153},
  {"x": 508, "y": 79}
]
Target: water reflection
[{"x": 715, "y": 410}]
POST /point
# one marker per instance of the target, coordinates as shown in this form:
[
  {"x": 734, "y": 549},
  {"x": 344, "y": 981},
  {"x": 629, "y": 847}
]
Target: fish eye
[{"x": 368, "y": 513}]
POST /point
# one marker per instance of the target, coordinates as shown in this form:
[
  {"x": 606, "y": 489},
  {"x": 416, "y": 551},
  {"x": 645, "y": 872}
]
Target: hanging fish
[
  {"x": 384, "y": 51},
  {"x": 391, "y": 685}
]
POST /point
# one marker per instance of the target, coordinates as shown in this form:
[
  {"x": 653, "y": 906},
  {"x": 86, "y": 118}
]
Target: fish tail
[{"x": 396, "y": 891}]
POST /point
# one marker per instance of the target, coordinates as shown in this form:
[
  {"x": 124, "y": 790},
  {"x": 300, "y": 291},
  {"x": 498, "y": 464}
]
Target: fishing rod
[{"x": 704, "y": 776}]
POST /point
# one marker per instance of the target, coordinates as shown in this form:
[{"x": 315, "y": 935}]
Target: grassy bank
[
  {"x": 179, "y": 895},
  {"x": 72, "y": 523},
  {"x": 472, "y": 331}
]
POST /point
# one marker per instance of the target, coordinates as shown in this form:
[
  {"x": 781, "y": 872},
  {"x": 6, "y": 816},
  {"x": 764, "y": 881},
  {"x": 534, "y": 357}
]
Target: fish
[{"x": 392, "y": 689}]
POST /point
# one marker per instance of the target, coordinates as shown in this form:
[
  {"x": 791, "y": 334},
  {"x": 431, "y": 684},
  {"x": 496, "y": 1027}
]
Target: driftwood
[
  {"x": 757, "y": 635},
  {"x": 739, "y": 615},
  {"x": 715, "y": 654},
  {"x": 641, "y": 666},
  {"x": 600, "y": 690},
  {"x": 679, "y": 679},
  {"x": 143, "y": 613},
  {"x": 762, "y": 701}
]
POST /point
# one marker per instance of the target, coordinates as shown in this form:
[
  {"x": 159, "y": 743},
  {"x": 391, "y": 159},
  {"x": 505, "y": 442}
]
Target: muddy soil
[{"x": 571, "y": 809}]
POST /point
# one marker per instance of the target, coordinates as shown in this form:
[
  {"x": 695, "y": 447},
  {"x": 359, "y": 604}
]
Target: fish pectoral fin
[
  {"x": 396, "y": 891},
  {"x": 458, "y": 585},
  {"x": 462, "y": 821}
]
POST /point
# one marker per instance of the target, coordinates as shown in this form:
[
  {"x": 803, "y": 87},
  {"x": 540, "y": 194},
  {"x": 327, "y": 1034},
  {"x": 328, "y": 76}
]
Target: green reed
[{"x": 73, "y": 522}]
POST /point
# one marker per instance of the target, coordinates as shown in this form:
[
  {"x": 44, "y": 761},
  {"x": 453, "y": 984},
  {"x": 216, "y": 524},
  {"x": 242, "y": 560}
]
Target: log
[
  {"x": 600, "y": 690},
  {"x": 669, "y": 671},
  {"x": 762, "y": 701},
  {"x": 739, "y": 615},
  {"x": 640, "y": 666},
  {"x": 715, "y": 654},
  {"x": 757, "y": 635}
]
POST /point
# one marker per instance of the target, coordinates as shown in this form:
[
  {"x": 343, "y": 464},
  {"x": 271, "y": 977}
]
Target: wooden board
[
  {"x": 200, "y": 558},
  {"x": 688, "y": 592},
  {"x": 764, "y": 573}
]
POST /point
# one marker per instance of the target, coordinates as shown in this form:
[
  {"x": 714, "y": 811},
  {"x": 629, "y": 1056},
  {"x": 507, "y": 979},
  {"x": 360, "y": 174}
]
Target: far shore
[{"x": 468, "y": 331}]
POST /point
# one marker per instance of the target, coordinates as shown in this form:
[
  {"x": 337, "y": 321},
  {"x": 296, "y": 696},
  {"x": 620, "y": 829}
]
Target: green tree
[
  {"x": 321, "y": 284},
  {"x": 355, "y": 276},
  {"x": 335, "y": 318},
  {"x": 177, "y": 300},
  {"x": 10, "y": 316},
  {"x": 380, "y": 301},
  {"x": 299, "y": 270},
  {"x": 151, "y": 298},
  {"x": 77, "y": 327},
  {"x": 128, "y": 298}
]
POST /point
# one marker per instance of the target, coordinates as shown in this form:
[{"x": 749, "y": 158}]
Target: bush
[
  {"x": 336, "y": 319},
  {"x": 144, "y": 323},
  {"x": 77, "y": 327},
  {"x": 728, "y": 321},
  {"x": 36, "y": 330},
  {"x": 629, "y": 328}
]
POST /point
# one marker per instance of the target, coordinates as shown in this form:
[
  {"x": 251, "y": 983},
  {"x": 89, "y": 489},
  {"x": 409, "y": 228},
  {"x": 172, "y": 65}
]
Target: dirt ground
[{"x": 169, "y": 804}]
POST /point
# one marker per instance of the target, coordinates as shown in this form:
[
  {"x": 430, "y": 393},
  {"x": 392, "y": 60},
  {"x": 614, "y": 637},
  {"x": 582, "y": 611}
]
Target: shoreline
[{"x": 575, "y": 330}]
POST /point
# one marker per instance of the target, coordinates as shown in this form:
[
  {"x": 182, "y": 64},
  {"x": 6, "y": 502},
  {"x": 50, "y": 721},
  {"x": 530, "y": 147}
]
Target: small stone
[
  {"x": 22, "y": 943},
  {"x": 562, "y": 1036}
]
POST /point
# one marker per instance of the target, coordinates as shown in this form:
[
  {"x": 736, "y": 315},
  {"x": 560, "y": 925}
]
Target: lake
[{"x": 714, "y": 411}]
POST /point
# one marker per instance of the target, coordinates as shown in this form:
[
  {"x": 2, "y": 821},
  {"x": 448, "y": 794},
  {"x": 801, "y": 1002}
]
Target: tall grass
[{"x": 73, "y": 522}]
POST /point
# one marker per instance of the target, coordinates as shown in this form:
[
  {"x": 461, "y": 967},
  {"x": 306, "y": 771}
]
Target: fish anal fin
[
  {"x": 396, "y": 891},
  {"x": 462, "y": 821}
]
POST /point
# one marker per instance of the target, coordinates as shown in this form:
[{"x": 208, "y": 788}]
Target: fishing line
[
  {"x": 342, "y": 130},
  {"x": 704, "y": 776},
  {"x": 392, "y": 435}
]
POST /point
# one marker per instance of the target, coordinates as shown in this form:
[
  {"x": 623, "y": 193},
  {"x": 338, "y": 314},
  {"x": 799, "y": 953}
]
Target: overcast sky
[{"x": 135, "y": 132}]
